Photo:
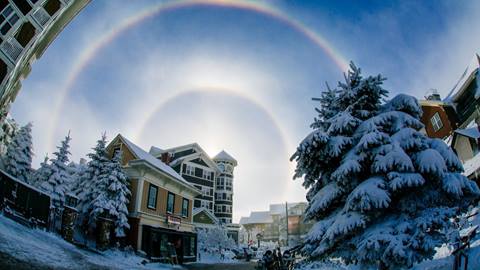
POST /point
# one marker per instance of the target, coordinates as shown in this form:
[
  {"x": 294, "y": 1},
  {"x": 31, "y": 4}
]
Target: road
[{"x": 223, "y": 266}]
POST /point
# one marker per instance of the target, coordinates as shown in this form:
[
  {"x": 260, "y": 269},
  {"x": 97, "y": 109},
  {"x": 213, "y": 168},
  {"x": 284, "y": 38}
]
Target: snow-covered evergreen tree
[
  {"x": 378, "y": 189},
  {"x": 87, "y": 190},
  {"x": 77, "y": 171},
  {"x": 7, "y": 131},
  {"x": 59, "y": 179},
  {"x": 213, "y": 239},
  {"x": 42, "y": 174},
  {"x": 113, "y": 195},
  {"x": 18, "y": 159}
]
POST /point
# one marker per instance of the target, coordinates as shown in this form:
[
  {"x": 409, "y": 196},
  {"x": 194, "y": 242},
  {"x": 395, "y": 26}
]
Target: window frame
[
  {"x": 173, "y": 203},
  {"x": 183, "y": 205},
  {"x": 150, "y": 187},
  {"x": 436, "y": 121}
]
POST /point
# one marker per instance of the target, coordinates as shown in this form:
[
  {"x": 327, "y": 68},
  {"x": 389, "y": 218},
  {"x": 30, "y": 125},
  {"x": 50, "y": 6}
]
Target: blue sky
[{"x": 235, "y": 79}]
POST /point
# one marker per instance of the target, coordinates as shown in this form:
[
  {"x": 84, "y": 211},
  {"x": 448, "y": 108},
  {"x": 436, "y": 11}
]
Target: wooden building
[{"x": 160, "y": 208}]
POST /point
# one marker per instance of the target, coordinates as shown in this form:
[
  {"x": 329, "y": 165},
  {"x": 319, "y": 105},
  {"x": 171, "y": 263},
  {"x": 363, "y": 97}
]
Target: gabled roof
[
  {"x": 141, "y": 154},
  {"x": 224, "y": 156},
  {"x": 207, "y": 212},
  {"x": 155, "y": 151},
  {"x": 259, "y": 217},
  {"x": 279, "y": 209},
  {"x": 471, "y": 132},
  {"x": 467, "y": 76}
]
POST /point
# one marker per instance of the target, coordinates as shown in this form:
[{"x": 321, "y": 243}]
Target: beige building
[
  {"x": 271, "y": 225},
  {"x": 465, "y": 98},
  {"x": 161, "y": 204},
  {"x": 27, "y": 27}
]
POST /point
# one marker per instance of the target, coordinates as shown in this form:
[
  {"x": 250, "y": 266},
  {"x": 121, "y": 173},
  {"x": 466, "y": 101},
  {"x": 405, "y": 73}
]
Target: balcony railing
[
  {"x": 12, "y": 48},
  {"x": 41, "y": 16}
]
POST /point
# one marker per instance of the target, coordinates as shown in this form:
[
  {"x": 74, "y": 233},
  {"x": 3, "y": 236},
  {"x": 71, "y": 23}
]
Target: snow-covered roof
[
  {"x": 279, "y": 209},
  {"x": 472, "y": 165},
  {"x": 155, "y": 151},
  {"x": 466, "y": 77},
  {"x": 198, "y": 210},
  {"x": 472, "y": 132},
  {"x": 199, "y": 153},
  {"x": 143, "y": 155},
  {"x": 259, "y": 217},
  {"x": 224, "y": 156},
  {"x": 24, "y": 183}
]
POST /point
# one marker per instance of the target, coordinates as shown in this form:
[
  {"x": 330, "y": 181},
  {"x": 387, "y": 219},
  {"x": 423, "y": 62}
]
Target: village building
[
  {"x": 161, "y": 204},
  {"x": 224, "y": 187},
  {"x": 213, "y": 177},
  {"x": 280, "y": 225},
  {"x": 27, "y": 28},
  {"x": 439, "y": 117},
  {"x": 465, "y": 140}
]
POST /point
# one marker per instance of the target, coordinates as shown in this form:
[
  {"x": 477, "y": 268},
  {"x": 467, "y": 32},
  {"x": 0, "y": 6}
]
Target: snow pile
[
  {"x": 379, "y": 190},
  {"x": 43, "y": 249}
]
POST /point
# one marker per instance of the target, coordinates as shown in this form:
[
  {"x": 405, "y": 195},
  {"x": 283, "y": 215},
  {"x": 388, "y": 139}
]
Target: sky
[{"x": 237, "y": 77}]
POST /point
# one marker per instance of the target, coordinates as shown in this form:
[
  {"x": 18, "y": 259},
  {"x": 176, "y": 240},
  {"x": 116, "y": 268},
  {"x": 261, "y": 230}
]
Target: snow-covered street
[{"x": 233, "y": 266}]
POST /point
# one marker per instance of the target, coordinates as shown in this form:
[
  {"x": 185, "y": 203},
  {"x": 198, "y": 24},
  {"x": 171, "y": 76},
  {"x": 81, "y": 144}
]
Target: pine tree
[
  {"x": 18, "y": 159},
  {"x": 379, "y": 190},
  {"x": 92, "y": 177},
  {"x": 59, "y": 180},
  {"x": 42, "y": 174},
  {"x": 7, "y": 132},
  {"x": 112, "y": 199}
]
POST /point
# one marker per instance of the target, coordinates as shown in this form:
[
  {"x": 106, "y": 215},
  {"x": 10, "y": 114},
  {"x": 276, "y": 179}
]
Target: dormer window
[{"x": 436, "y": 122}]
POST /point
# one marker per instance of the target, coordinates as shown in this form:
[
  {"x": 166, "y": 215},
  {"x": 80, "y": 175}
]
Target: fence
[{"x": 24, "y": 202}]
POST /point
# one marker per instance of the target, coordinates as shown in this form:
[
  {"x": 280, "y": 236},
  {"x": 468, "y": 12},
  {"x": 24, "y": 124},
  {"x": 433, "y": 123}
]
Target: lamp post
[{"x": 286, "y": 219}]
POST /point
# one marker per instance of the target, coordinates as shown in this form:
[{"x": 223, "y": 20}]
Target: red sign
[{"x": 173, "y": 220}]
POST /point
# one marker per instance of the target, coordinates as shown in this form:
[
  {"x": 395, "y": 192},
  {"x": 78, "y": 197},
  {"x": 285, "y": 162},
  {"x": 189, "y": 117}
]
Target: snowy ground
[{"x": 24, "y": 248}]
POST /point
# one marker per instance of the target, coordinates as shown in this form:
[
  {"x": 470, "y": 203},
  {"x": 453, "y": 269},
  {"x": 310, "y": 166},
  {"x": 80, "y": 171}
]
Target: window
[
  {"x": 152, "y": 197},
  {"x": 26, "y": 33},
  {"x": 185, "y": 203},
  {"x": 52, "y": 6},
  {"x": 8, "y": 18},
  {"x": 170, "y": 202},
  {"x": 190, "y": 170},
  {"x": 198, "y": 172},
  {"x": 436, "y": 122},
  {"x": 207, "y": 175}
]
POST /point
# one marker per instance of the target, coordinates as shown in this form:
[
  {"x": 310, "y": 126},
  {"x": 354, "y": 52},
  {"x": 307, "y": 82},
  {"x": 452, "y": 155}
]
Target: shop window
[
  {"x": 23, "y": 6},
  {"x": 185, "y": 204},
  {"x": 52, "y": 6},
  {"x": 152, "y": 197},
  {"x": 170, "y": 202},
  {"x": 26, "y": 33},
  {"x": 8, "y": 18},
  {"x": 436, "y": 122},
  {"x": 3, "y": 70}
]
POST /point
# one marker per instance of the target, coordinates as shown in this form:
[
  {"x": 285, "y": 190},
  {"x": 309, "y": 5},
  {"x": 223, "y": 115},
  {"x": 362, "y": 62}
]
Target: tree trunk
[{"x": 382, "y": 266}]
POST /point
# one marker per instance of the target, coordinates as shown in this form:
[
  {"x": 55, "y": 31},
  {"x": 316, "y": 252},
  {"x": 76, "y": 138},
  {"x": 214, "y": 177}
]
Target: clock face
[
  {"x": 221, "y": 167},
  {"x": 229, "y": 169}
]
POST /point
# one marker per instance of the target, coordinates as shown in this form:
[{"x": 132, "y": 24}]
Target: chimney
[
  {"x": 166, "y": 158},
  {"x": 83, "y": 161},
  {"x": 434, "y": 95}
]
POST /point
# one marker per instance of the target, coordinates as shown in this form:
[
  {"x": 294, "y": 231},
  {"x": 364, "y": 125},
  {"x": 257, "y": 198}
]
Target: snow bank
[{"x": 47, "y": 249}]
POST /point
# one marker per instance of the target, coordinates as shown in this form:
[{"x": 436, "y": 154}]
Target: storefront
[{"x": 158, "y": 242}]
